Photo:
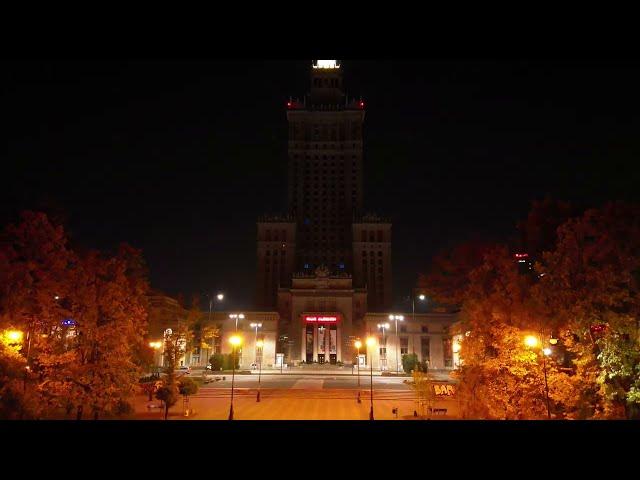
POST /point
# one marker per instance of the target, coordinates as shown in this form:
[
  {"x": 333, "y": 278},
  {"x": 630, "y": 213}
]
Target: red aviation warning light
[
  {"x": 288, "y": 104},
  {"x": 361, "y": 104}
]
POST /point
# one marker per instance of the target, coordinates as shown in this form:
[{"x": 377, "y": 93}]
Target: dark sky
[{"x": 180, "y": 158}]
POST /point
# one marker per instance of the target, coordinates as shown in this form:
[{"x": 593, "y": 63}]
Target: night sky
[{"x": 180, "y": 158}]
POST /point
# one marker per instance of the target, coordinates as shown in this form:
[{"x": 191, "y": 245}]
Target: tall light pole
[
  {"x": 396, "y": 318},
  {"x": 371, "y": 343},
  {"x": 255, "y": 341},
  {"x": 235, "y": 341},
  {"x": 259, "y": 344},
  {"x": 384, "y": 326},
  {"x": 532, "y": 341},
  {"x": 422, "y": 298},
  {"x": 212, "y": 308},
  {"x": 236, "y": 317},
  {"x": 212, "y": 305},
  {"x": 358, "y": 344}
]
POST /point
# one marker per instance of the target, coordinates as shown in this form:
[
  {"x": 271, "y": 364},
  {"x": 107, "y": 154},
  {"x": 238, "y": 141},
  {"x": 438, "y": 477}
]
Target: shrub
[
  {"x": 187, "y": 386},
  {"x": 228, "y": 361},
  {"x": 217, "y": 362},
  {"x": 409, "y": 362}
]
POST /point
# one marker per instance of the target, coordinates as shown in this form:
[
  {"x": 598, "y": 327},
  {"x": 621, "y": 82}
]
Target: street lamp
[
  {"x": 383, "y": 326},
  {"x": 370, "y": 343},
  {"x": 255, "y": 342},
  {"x": 358, "y": 344},
  {"x": 14, "y": 337},
  {"x": 396, "y": 318},
  {"x": 259, "y": 344},
  {"x": 234, "y": 341},
  {"x": 532, "y": 341},
  {"x": 212, "y": 308},
  {"x": 236, "y": 317},
  {"x": 422, "y": 298}
]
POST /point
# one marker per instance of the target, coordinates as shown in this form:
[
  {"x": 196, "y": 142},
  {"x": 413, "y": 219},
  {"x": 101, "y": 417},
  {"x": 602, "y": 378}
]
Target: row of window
[
  {"x": 316, "y": 146},
  {"x": 372, "y": 235},
  {"x": 278, "y": 235},
  {"x": 324, "y": 158},
  {"x": 326, "y": 82}
]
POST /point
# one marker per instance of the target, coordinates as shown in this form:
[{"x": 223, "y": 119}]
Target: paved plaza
[{"x": 301, "y": 398}]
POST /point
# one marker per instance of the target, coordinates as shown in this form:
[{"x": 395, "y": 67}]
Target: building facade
[
  {"x": 324, "y": 225},
  {"x": 429, "y": 335},
  {"x": 324, "y": 264}
]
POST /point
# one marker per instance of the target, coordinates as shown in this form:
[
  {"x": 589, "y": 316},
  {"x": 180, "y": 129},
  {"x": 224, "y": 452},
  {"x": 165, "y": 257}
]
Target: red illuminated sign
[{"x": 320, "y": 318}]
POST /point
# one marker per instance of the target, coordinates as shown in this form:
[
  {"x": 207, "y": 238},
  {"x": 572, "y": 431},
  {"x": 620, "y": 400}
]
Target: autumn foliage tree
[
  {"x": 583, "y": 291},
  {"x": 83, "y": 315}
]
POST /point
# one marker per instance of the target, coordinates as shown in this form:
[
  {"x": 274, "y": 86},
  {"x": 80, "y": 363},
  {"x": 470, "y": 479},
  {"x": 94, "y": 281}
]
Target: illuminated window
[
  {"x": 425, "y": 349},
  {"x": 404, "y": 345}
]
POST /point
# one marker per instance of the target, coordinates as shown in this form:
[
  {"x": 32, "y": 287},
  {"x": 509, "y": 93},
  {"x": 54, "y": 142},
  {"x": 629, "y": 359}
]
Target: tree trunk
[
  {"x": 95, "y": 414},
  {"x": 166, "y": 410},
  {"x": 79, "y": 413}
]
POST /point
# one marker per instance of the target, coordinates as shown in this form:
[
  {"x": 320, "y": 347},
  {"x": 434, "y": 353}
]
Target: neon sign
[
  {"x": 444, "y": 390},
  {"x": 320, "y": 319}
]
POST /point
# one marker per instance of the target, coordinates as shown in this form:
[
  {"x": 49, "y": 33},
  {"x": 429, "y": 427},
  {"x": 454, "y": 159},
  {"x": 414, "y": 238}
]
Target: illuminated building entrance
[{"x": 321, "y": 337}]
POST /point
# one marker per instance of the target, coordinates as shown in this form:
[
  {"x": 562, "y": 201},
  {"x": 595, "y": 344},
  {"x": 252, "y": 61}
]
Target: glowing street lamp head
[
  {"x": 241, "y": 316},
  {"x": 547, "y": 351},
  {"x": 391, "y": 317},
  {"x": 254, "y": 325},
  {"x": 235, "y": 340},
  {"x": 400, "y": 317},
  {"x": 531, "y": 341},
  {"x": 220, "y": 296},
  {"x": 553, "y": 341},
  {"x": 371, "y": 341},
  {"x": 421, "y": 297},
  {"x": 358, "y": 344},
  {"x": 259, "y": 344},
  {"x": 14, "y": 336}
]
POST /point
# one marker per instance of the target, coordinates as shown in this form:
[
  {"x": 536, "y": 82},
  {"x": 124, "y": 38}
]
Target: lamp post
[
  {"x": 255, "y": 342},
  {"x": 358, "y": 344},
  {"x": 212, "y": 308},
  {"x": 370, "y": 343},
  {"x": 422, "y": 298},
  {"x": 532, "y": 341},
  {"x": 396, "y": 318},
  {"x": 235, "y": 341},
  {"x": 236, "y": 317},
  {"x": 383, "y": 326},
  {"x": 259, "y": 344}
]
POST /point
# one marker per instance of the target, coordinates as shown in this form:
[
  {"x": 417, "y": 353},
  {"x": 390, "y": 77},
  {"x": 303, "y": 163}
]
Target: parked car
[{"x": 185, "y": 370}]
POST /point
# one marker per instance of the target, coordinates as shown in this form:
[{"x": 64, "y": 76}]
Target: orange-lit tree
[
  {"x": 590, "y": 285},
  {"x": 84, "y": 315}
]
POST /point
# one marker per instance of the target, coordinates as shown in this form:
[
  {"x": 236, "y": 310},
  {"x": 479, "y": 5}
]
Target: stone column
[{"x": 316, "y": 341}]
